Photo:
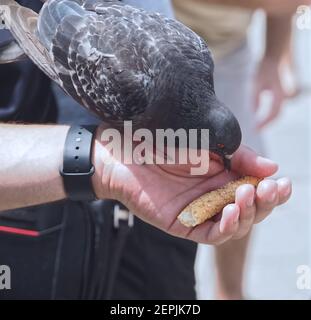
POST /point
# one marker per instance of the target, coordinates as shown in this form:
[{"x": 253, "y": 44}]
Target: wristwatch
[{"x": 77, "y": 169}]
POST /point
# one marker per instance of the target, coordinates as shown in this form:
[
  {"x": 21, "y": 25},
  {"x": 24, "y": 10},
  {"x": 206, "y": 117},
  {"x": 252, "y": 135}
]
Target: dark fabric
[
  {"x": 81, "y": 255},
  {"x": 48, "y": 266},
  {"x": 25, "y": 94},
  {"x": 155, "y": 266}
]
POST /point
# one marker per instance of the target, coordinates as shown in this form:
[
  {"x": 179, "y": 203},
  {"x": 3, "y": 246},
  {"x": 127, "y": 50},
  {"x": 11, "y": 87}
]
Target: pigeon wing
[
  {"x": 109, "y": 55},
  {"x": 96, "y": 58},
  {"x": 22, "y": 23}
]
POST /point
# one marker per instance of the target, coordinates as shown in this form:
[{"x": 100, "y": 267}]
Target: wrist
[
  {"x": 271, "y": 61},
  {"x": 100, "y": 179}
]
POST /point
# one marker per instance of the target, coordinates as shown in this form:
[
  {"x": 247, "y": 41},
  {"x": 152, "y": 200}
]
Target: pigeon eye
[{"x": 220, "y": 145}]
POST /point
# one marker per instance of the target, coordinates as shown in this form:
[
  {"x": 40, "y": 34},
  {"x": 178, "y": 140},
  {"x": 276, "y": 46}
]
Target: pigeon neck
[
  {"x": 180, "y": 90},
  {"x": 179, "y": 76}
]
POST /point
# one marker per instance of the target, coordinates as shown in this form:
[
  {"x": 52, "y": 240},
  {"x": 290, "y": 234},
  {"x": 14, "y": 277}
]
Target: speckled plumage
[{"x": 109, "y": 56}]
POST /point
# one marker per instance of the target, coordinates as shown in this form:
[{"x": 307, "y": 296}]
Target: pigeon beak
[{"x": 227, "y": 161}]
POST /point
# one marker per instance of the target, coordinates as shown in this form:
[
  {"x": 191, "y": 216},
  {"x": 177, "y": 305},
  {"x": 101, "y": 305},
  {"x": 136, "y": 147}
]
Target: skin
[
  {"x": 157, "y": 194},
  {"x": 268, "y": 77},
  {"x": 29, "y": 175}
]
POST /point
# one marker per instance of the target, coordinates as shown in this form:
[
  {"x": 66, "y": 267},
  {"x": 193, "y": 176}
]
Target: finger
[
  {"x": 224, "y": 230},
  {"x": 284, "y": 190},
  {"x": 247, "y": 162},
  {"x": 245, "y": 199},
  {"x": 267, "y": 198},
  {"x": 229, "y": 220},
  {"x": 256, "y": 99},
  {"x": 217, "y": 233},
  {"x": 274, "y": 111}
]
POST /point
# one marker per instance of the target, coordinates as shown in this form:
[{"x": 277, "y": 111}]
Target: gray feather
[
  {"x": 22, "y": 23},
  {"x": 109, "y": 55}
]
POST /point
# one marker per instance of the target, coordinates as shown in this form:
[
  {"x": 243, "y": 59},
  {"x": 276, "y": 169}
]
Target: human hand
[
  {"x": 157, "y": 194},
  {"x": 268, "y": 79}
]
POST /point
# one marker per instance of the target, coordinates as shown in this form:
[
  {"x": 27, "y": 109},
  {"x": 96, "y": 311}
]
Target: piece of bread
[{"x": 211, "y": 203}]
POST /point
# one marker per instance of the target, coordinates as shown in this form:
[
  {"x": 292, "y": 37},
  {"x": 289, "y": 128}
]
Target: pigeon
[{"x": 125, "y": 64}]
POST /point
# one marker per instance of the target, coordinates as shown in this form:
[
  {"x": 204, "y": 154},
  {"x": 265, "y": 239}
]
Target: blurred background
[{"x": 281, "y": 243}]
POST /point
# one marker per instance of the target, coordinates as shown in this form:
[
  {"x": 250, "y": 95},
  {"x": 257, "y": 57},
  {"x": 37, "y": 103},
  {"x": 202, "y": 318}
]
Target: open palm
[{"x": 157, "y": 194}]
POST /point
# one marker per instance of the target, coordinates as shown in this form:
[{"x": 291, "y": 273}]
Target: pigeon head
[
  {"x": 190, "y": 102},
  {"x": 224, "y": 129}
]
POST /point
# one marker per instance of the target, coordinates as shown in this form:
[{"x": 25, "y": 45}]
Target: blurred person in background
[{"x": 240, "y": 81}]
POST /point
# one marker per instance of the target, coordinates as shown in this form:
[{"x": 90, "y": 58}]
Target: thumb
[{"x": 248, "y": 162}]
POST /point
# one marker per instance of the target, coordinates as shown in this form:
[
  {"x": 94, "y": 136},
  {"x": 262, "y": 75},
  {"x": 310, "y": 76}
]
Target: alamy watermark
[
  {"x": 304, "y": 277},
  {"x": 5, "y": 277},
  {"x": 146, "y": 147},
  {"x": 303, "y": 20}
]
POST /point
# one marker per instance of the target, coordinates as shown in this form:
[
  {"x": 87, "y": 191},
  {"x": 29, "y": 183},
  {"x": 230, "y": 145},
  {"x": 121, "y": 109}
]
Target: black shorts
[{"x": 72, "y": 250}]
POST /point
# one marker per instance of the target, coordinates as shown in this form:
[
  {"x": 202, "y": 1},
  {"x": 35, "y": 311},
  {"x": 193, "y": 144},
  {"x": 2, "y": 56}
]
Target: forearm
[
  {"x": 278, "y": 36},
  {"x": 270, "y": 6},
  {"x": 30, "y": 159}
]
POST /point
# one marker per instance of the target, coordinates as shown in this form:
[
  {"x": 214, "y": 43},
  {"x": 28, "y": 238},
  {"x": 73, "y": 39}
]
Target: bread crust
[{"x": 211, "y": 203}]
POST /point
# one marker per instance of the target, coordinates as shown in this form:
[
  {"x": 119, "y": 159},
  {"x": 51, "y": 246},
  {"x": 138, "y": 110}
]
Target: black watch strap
[{"x": 77, "y": 168}]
